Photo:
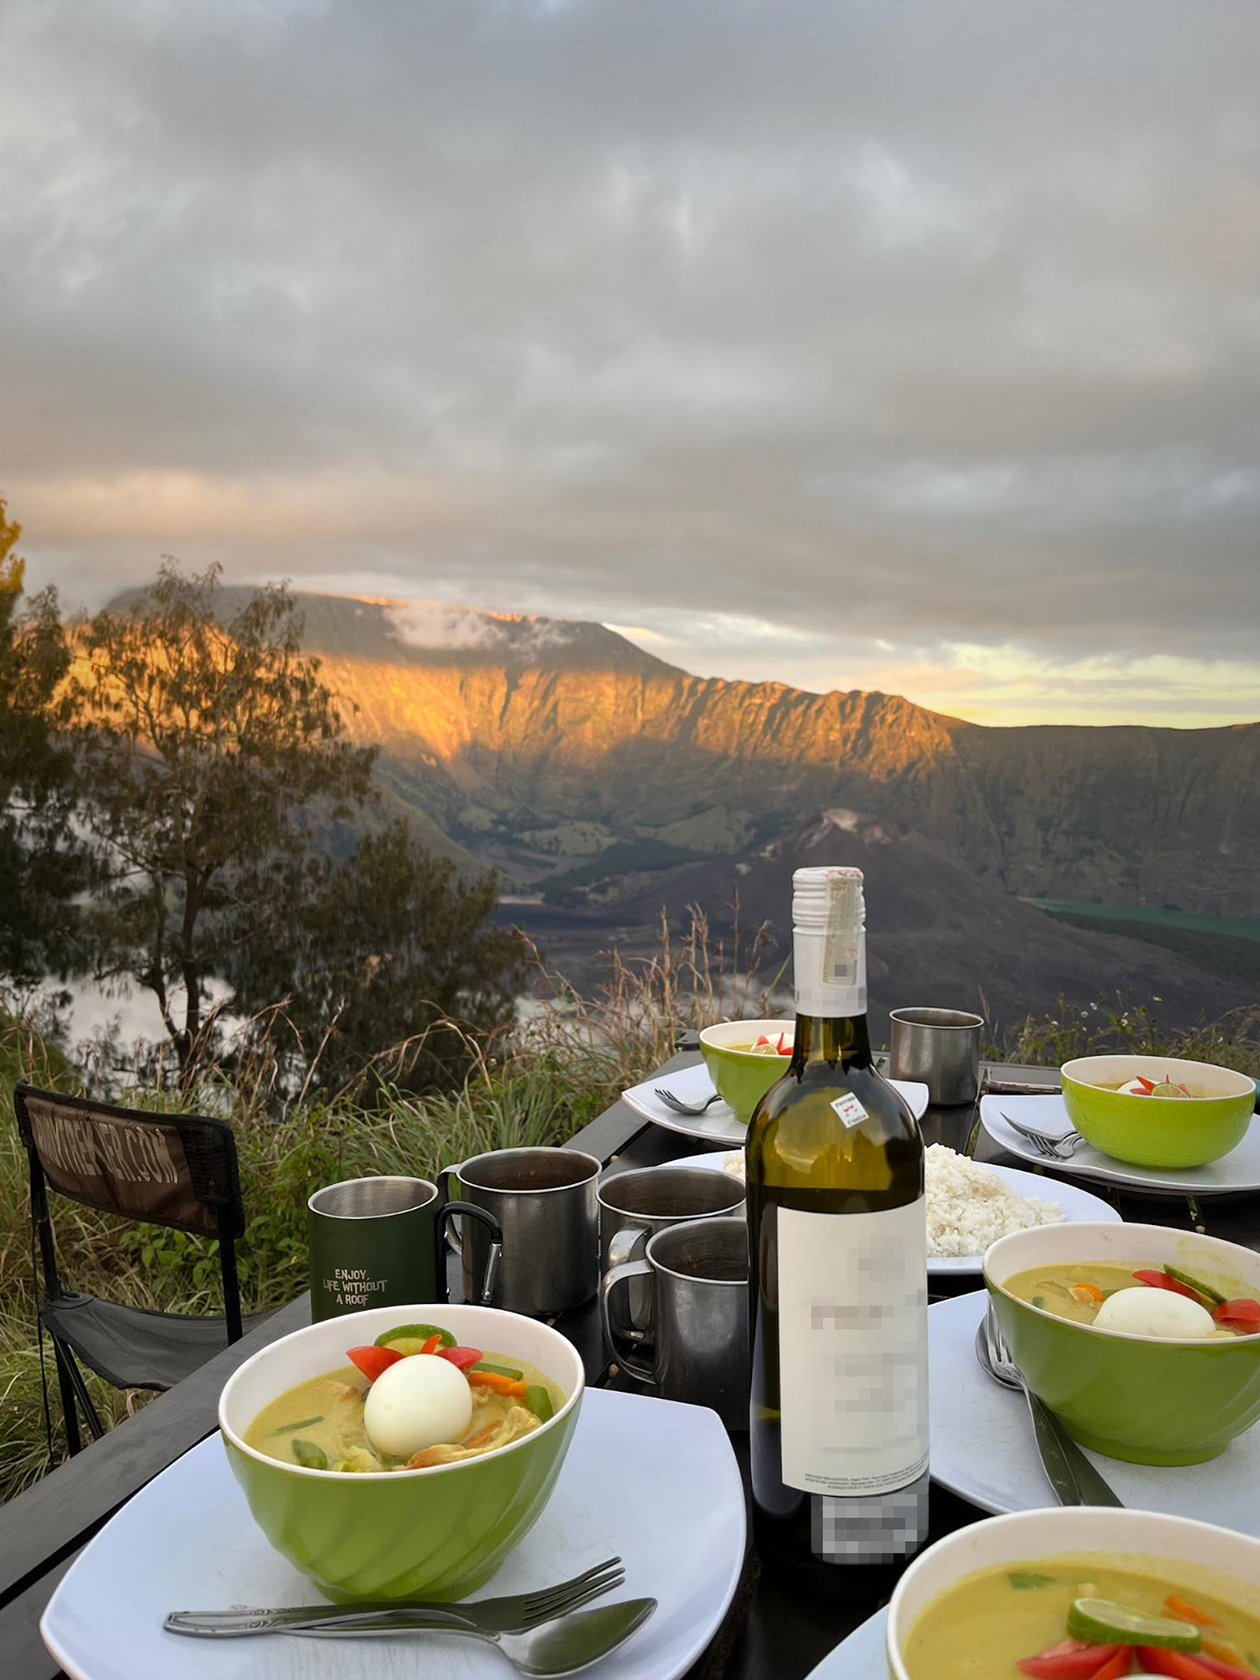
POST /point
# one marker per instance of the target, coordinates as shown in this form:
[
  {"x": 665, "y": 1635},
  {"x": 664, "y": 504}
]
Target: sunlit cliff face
[{"x": 518, "y": 722}]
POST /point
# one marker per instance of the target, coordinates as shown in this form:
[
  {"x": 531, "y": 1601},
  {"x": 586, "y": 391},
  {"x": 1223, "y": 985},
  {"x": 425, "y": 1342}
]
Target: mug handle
[
  {"x": 470, "y": 1210},
  {"x": 615, "y": 1275},
  {"x": 621, "y": 1248},
  {"x": 452, "y": 1240}
]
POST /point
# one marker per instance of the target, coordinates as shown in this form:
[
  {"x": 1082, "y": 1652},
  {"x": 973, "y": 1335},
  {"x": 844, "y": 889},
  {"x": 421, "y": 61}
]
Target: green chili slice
[
  {"x": 1214, "y": 1296},
  {"x": 539, "y": 1401},
  {"x": 288, "y": 1428},
  {"x": 415, "y": 1332}
]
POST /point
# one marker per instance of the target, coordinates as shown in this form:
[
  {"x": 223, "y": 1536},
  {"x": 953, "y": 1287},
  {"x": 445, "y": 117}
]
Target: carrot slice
[
  {"x": 1186, "y": 1612},
  {"x": 492, "y": 1380},
  {"x": 1086, "y": 1292}
]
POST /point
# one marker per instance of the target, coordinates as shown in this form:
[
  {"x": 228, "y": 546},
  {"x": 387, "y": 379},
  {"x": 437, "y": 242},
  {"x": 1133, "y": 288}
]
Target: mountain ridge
[{"x": 505, "y": 727}]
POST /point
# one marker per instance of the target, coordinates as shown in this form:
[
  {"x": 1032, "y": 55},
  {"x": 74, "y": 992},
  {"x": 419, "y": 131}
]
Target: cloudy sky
[{"x": 913, "y": 347}]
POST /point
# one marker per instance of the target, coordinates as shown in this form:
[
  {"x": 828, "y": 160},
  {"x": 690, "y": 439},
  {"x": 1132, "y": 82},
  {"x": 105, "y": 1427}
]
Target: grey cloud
[{"x": 937, "y": 317}]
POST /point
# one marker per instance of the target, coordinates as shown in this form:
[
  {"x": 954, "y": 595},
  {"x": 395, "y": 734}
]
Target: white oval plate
[
  {"x": 1239, "y": 1170},
  {"x": 718, "y": 1124},
  {"x": 983, "y": 1447},
  {"x": 187, "y": 1541},
  {"x": 1078, "y": 1205}
]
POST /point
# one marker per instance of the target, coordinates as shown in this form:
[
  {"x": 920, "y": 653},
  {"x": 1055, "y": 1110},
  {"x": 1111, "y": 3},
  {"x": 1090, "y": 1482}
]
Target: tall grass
[{"x": 539, "y": 1084}]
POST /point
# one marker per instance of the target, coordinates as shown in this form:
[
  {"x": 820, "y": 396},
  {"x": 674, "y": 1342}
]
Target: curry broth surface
[
  {"x": 979, "y": 1629},
  {"x": 327, "y": 1412},
  {"x": 1050, "y": 1287}
]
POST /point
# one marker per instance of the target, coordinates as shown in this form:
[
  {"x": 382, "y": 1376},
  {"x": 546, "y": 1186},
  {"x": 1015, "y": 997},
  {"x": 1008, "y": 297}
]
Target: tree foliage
[
  {"x": 40, "y": 862},
  {"x": 218, "y": 782},
  {"x": 209, "y": 749},
  {"x": 382, "y": 950}
]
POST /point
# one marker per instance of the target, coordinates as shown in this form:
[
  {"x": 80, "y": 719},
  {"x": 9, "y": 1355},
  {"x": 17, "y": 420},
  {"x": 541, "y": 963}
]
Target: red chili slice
[
  {"x": 1242, "y": 1314},
  {"x": 461, "y": 1357},
  {"x": 1118, "y": 1667},
  {"x": 373, "y": 1360},
  {"x": 1161, "y": 1280},
  {"x": 1070, "y": 1659},
  {"x": 1222, "y": 1670},
  {"x": 1156, "y": 1660}
]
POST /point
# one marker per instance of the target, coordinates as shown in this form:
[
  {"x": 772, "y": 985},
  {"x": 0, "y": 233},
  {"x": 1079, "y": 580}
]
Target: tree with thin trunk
[
  {"x": 211, "y": 753},
  {"x": 41, "y": 861}
]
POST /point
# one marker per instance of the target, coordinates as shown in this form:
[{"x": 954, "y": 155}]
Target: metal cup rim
[
  {"x": 528, "y": 1189},
  {"x": 905, "y": 1016},
  {"x": 708, "y": 1225},
  {"x": 377, "y": 1178},
  {"x": 668, "y": 1166}
]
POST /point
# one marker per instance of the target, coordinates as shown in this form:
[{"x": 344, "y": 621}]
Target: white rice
[{"x": 968, "y": 1206}]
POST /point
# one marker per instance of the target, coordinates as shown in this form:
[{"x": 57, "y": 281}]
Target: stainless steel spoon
[{"x": 564, "y": 1646}]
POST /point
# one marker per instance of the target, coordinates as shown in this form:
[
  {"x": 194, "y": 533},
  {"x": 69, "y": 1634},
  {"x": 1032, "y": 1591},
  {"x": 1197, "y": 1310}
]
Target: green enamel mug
[{"x": 379, "y": 1242}]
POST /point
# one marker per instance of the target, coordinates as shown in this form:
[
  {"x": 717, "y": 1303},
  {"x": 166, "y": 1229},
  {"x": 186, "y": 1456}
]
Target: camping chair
[{"x": 176, "y": 1170}]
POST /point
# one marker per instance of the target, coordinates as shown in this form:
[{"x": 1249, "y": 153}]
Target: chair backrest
[{"x": 177, "y": 1170}]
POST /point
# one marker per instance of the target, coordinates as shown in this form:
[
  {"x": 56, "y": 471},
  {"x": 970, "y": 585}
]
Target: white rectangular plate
[
  {"x": 718, "y": 1124},
  {"x": 1237, "y": 1171},
  {"x": 983, "y": 1447},
  {"x": 655, "y": 1482}
]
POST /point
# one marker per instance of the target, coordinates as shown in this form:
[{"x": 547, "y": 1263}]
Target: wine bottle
[{"x": 838, "y": 1250}]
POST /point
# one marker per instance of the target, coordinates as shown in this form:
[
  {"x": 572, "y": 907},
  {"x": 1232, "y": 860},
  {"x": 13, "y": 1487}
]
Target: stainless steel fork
[
  {"x": 1061, "y": 1147},
  {"x": 680, "y": 1107},
  {"x": 1069, "y": 1472},
  {"x": 492, "y": 1616}
]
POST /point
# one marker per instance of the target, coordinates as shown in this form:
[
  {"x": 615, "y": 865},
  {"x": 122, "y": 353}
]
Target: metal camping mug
[
  {"x": 544, "y": 1199},
  {"x": 633, "y": 1206},
  {"x": 377, "y": 1242},
  {"x": 699, "y": 1276},
  {"x": 941, "y": 1047}
]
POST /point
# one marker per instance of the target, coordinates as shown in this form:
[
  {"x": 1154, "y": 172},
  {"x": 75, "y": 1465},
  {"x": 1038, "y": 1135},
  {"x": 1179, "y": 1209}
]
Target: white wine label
[
  {"x": 853, "y": 1349},
  {"x": 849, "y": 1109}
]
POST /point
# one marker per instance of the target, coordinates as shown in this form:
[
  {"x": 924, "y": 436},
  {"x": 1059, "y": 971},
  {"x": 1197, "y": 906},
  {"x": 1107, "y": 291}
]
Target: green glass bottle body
[{"x": 837, "y": 1228}]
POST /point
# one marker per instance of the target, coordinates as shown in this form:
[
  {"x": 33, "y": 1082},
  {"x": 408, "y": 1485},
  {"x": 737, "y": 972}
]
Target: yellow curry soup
[
  {"x": 321, "y": 1425},
  {"x": 1078, "y": 1617},
  {"x": 1079, "y": 1292}
]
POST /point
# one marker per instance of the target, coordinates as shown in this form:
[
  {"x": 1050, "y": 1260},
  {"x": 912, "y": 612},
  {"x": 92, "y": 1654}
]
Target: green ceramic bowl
[
  {"x": 739, "y": 1077},
  {"x": 1148, "y": 1399},
  {"x": 436, "y": 1533},
  {"x": 1150, "y": 1131},
  {"x": 1198, "y": 1556}
]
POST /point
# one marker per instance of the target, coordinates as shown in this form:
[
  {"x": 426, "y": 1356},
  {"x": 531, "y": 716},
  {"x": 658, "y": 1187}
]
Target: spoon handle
[
  {"x": 1055, "y": 1460},
  {"x": 1095, "y": 1489}
]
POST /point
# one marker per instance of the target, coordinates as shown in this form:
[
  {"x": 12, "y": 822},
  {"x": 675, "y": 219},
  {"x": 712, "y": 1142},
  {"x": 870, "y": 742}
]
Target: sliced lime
[
  {"x": 1101, "y": 1622},
  {"x": 1192, "y": 1282}
]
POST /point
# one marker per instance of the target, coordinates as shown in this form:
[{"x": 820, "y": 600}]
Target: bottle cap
[
  {"x": 828, "y": 898},
  {"x": 829, "y": 941}
]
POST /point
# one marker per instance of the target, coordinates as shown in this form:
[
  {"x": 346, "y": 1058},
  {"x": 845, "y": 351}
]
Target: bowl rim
[
  {"x": 784, "y": 1024},
  {"x": 1172, "y": 1522},
  {"x": 1102, "y": 1330},
  {"x": 1246, "y": 1084},
  {"x": 342, "y": 1477}
]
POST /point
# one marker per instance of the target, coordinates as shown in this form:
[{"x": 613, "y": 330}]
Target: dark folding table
[{"x": 769, "y": 1633}]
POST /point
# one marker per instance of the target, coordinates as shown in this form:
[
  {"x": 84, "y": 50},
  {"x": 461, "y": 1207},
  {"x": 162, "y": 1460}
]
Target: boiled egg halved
[
  {"x": 415, "y": 1403},
  {"x": 1142, "y": 1311}
]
